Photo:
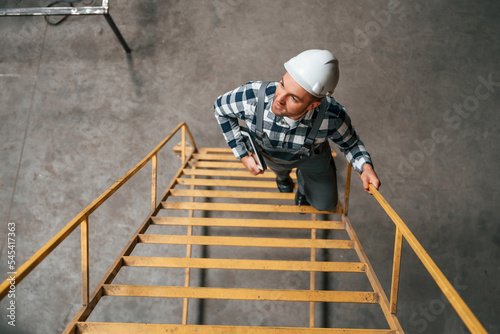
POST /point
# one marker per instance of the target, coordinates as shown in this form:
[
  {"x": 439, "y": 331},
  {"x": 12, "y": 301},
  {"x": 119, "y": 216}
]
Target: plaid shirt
[{"x": 241, "y": 103}]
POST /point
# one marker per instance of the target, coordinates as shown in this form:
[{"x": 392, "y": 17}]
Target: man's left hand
[{"x": 369, "y": 176}]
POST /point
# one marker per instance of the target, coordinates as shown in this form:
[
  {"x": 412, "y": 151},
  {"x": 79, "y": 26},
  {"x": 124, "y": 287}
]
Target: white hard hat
[{"x": 317, "y": 71}]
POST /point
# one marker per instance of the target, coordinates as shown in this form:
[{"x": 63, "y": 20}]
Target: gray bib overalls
[{"x": 316, "y": 175}]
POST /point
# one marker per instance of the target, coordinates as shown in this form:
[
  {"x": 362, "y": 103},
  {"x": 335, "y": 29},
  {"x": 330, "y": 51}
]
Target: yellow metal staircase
[{"x": 212, "y": 190}]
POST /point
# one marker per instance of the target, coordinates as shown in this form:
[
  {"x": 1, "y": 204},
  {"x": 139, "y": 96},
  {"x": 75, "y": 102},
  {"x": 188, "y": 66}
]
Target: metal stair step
[
  {"x": 237, "y": 264},
  {"x": 207, "y": 150},
  {"x": 241, "y": 207},
  {"x": 121, "y": 290},
  {"x": 230, "y": 194},
  {"x": 261, "y": 223},
  {"x": 214, "y": 156},
  {"x": 217, "y": 164},
  {"x": 227, "y": 183},
  {"x": 245, "y": 241},
  {"x": 231, "y": 173},
  {"x": 134, "y": 328}
]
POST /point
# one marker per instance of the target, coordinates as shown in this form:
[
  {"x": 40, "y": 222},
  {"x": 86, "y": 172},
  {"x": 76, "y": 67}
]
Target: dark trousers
[{"x": 316, "y": 177}]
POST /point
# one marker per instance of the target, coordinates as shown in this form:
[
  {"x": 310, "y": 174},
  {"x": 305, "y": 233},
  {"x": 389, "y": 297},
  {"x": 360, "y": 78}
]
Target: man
[{"x": 292, "y": 126}]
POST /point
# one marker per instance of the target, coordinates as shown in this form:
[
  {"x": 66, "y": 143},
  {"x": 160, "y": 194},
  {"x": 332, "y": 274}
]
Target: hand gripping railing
[
  {"x": 82, "y": 219},
  {"x": 451, "y": 294}
]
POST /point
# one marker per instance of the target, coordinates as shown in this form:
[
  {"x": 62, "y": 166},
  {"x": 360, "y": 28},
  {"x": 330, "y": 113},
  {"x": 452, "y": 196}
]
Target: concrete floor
[{"x": 419, "y": 79}]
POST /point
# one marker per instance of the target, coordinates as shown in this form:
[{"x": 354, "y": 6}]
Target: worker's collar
[{"x": 292, "y": 123}]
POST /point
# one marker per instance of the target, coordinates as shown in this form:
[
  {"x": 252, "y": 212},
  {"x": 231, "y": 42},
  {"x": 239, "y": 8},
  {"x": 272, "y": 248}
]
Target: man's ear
[{"x": 313, "y": 105}]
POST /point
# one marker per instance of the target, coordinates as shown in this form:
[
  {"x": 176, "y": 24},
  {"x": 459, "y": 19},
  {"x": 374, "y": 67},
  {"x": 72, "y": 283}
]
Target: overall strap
[
  {"x": 317, "y": 123},
  {"x": 260, "y": 111}
]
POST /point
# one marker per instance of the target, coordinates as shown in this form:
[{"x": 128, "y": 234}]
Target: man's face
[{"x": 291, "y": 100}]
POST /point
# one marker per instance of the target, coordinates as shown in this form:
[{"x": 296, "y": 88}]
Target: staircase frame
[{"x": 187, "y": 152}]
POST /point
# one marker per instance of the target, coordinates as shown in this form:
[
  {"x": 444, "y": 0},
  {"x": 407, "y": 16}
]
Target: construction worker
[{"x": 292, "y": 121}]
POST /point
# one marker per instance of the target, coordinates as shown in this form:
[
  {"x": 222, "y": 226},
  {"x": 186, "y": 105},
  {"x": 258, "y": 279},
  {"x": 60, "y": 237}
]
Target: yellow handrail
[
  {"x": 83, "y": 216},
  {"x": 449, "y": 291},
  {"x": 82, "y": 219}
]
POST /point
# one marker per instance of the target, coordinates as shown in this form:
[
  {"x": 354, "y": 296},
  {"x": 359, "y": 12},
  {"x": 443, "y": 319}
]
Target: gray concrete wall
[{"x": 419, "y": 79}]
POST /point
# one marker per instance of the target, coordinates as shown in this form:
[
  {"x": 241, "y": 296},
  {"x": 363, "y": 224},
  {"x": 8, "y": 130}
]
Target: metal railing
[
  {"x": 402, "y": 231},
  {"x": 67, "y": 11},
  {"x": 82, "y": 219}
]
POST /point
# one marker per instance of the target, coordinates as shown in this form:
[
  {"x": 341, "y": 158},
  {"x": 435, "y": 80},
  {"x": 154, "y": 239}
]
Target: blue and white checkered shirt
[{"x": 241, "y": 103}]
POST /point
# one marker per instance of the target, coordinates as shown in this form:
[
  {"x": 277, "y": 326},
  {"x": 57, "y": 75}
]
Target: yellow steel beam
[
  {"x": 392, "y": 320},
  {"x": 134, "y": 328},
  {"x": 231, "y": 194},
  {"x": 217, "y": 164},
  {"x": 231, "y": 173},
  {"x": 312, "y": 278},
  {"x": 227, "y": 183},
  {"x": 210, "y": 156},
  {"x": 347, "y": 188},
  {"x": 448, "y": 290},
  {"x": 120, "y": 290},
  {"x": 154, "y": 180},
  {"x": 244, "y": 241},
  {"x": 241, "y": 207},
  {"x": 202, "y": 263},
  {"x": 207, "y": 150},
  {"x": 84, "y": 227},
  {"x": 187, "y": 275},
  {"x": 396, "y": 270},
  {"x": 262, "y": 223}
]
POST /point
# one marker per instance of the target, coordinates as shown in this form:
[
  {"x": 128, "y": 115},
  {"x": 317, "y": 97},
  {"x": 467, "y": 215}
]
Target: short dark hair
[{"x": 315, "y": 99}]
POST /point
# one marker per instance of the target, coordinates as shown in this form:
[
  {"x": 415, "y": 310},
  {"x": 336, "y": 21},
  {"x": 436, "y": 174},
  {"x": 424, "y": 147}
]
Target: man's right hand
[{"x": 251, "y": 165}]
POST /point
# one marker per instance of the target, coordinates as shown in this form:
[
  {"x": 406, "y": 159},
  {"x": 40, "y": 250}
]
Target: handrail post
[
  {"x": 448, "y": 290},
  {"x": 396, "y": 270},
  {"x": 84, "y": 227},
  {"x": 183, "y": 145},
  {"x": 312, "y": 275},
  {"x": 189, "y": 249},
  {"x": 347, "y": 188},
  {"x": 154, "y": 180}
]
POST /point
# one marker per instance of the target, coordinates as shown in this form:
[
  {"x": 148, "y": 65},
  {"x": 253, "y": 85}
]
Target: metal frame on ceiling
[{"x": 103, "y": 9}]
